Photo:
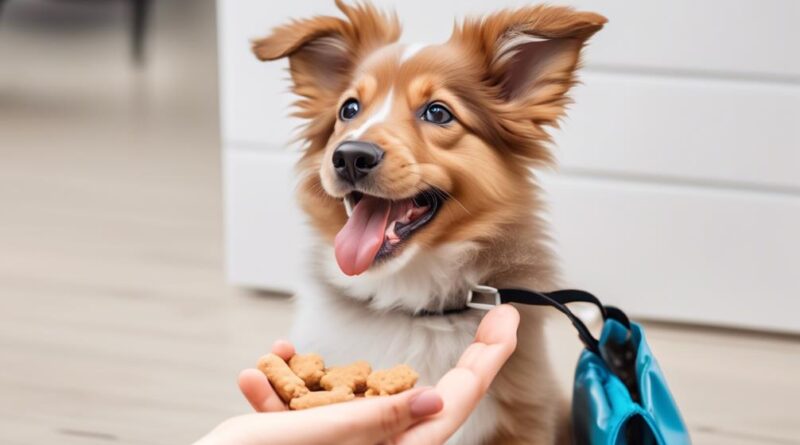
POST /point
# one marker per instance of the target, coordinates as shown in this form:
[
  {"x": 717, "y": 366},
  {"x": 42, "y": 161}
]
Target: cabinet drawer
[
  {"x": 679, "y": 252},
  {"x": 747, "y": 38},
  {"x": 728, "y": 131}
]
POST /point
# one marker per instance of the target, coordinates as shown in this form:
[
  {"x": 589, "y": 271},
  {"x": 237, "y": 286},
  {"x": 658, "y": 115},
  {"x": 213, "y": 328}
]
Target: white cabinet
[{"x": 678, "y": 195}]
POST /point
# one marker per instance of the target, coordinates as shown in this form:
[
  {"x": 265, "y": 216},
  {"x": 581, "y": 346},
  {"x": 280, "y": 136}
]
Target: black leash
[{"x": 558, "y": 300}]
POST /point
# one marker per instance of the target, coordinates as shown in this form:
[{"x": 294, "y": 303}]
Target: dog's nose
[{"x": 355, "y": 159}]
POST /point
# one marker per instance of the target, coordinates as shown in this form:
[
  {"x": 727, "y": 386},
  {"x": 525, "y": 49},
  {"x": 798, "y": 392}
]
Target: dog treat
[
  {"x": 353, "y": 376},
  {"x": 320, "y": 398},
  {"x": 391, "y": 381},
  {"x": 297, "y": 381},
  {"x": 308, "y": 367},
  {"x": 286, "y": 383}
]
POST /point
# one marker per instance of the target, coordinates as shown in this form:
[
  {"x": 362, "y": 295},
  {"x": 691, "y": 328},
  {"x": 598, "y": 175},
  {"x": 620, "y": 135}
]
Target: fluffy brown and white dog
[{"x": 416, "y": 176}]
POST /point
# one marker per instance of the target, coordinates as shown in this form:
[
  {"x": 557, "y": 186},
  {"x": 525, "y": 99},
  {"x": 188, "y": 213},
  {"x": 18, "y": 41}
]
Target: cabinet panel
[
  {"x": 681, "y": 253},
  {"x": 264, "y": 234},
  {"x": 730, "y": 132}
]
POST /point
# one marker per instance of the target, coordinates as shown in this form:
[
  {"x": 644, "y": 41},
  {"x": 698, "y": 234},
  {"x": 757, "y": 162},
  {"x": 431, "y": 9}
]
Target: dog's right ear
[
  {"x": 323, "y": 50},
  {"x": 531, "y": 55}
]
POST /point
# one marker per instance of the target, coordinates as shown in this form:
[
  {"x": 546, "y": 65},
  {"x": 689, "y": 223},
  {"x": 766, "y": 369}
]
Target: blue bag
[{"x": 620, "y": 395}]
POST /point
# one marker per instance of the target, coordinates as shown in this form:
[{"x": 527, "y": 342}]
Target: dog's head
[{"x": 425, "y": 144}]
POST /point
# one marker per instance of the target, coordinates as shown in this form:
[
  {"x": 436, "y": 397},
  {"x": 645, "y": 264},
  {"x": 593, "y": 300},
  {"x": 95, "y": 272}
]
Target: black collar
[{"x": 443, "y": 313}]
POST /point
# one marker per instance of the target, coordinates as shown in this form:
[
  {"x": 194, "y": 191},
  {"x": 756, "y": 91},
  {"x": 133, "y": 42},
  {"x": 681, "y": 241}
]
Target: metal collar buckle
[{"x": 480, "y": 289}]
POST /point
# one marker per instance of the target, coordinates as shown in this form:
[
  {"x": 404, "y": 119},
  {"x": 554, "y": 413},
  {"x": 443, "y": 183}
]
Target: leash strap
[
  {"x": 619, "y": 357},
  {"x": 558, "y": 300}
]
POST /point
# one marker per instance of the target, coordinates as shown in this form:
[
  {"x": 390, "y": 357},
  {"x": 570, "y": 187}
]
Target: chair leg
[{"x": 139, "y": 21}]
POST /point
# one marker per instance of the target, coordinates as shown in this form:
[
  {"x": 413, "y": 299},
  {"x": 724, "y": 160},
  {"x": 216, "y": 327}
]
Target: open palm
[{"x": 420, "y": 416}]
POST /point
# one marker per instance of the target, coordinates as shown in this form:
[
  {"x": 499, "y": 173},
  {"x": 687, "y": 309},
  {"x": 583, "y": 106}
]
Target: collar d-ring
[{"x": 480, "y": 289}]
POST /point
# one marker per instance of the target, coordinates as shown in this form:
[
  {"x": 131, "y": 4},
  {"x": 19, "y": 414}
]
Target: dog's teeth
[
  {"x": 391, "y": 235},
  {"x": 348, "y": 207}
]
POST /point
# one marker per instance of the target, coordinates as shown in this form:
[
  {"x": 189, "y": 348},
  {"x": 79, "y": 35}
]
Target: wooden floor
[{"x": 116, "y": 323}]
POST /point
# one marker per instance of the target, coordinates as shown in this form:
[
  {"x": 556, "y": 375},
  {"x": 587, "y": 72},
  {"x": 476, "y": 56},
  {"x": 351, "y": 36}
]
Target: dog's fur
[{"x": 506, "y": 78}]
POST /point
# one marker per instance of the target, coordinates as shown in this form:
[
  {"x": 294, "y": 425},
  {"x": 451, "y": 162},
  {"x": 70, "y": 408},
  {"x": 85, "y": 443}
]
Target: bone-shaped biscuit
[
  {"x": 308, "y": 367},
  {"x": 353, "y": 376},
  {"x": 286, "y": 383},
  {"x": 294, "y": 381},
  {"x": 320, "y": 398},
  {"x": 391, "y": 381}
]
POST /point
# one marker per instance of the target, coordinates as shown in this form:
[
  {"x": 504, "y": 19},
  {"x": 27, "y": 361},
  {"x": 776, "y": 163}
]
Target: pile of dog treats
[{"x": 304, "y": 381}]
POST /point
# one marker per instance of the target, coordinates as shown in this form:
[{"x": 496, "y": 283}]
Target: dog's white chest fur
[{"x": 371, "y": 320}]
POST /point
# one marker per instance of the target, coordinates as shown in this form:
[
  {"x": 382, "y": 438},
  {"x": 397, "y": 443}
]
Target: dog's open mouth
[{"x": 377, "y": 227}]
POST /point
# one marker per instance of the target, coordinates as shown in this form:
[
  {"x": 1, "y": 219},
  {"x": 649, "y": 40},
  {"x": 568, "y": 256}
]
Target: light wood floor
[{"x": 116, "y": 323}]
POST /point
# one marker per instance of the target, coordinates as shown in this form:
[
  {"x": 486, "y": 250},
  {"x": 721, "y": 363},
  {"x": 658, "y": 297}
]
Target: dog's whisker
[
  {"x": 446, "y": 195},
  {"x": 442, "y": 193},
  {"x": 430, "y": 192}
]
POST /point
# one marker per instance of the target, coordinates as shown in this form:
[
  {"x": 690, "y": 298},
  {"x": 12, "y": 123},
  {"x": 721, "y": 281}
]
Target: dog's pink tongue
[{"x": 360, "y": 239}]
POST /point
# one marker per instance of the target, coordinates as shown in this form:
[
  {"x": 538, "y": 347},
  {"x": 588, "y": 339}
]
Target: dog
[{"x": 416, "y": 177}]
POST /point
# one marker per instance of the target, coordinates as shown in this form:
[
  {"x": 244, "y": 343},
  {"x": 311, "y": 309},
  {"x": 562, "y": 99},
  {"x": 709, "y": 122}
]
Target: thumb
[{"x": 381, "y": 418}]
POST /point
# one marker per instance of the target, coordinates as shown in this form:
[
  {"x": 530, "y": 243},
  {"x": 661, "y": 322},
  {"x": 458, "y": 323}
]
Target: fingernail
[{"x": 426, "y": 403}]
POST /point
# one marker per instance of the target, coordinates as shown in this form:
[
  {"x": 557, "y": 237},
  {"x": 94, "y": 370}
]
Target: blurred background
[{"x": 149, "y": 241}]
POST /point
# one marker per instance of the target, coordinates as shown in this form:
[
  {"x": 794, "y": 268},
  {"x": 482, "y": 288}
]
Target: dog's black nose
[{"x": 355, "y": 159}]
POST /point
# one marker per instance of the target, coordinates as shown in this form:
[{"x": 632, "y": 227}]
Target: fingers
[
  {"x": 362, "y": 422},
  {"x": 494, "y": 343},
  {"x": 499, "y": 327},
  {"x": 283, "y": 349},
  {"x": 378, "y": 419},
  {"x": 256, "y": 389},
  {"x": 463, "y": 386}
]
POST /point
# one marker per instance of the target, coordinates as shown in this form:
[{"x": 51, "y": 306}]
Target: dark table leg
[{"x": 139, "y": 20}]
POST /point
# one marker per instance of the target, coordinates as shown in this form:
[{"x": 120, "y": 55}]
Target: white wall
[{"x": 679, "y": 193}]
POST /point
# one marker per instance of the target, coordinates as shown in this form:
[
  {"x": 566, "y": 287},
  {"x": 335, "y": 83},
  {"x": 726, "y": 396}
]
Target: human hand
[{"x": 419, "y": 416}]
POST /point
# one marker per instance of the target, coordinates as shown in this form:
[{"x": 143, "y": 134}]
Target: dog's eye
[
  {"x": 349, "y": 110},
  {"x": 437, "y": 113}
]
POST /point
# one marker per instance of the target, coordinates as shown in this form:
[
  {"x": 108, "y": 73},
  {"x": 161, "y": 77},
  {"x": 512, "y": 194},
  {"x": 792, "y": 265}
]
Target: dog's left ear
[
  {"x": 531, "y": 55},
  {"x": 324, "y": 50}
]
